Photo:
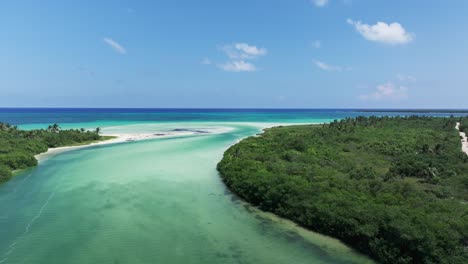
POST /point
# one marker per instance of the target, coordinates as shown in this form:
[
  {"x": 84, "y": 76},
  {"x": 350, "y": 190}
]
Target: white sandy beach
[
  {"x": 119, "y": 138},
  {"x": 464, "y": 139}
]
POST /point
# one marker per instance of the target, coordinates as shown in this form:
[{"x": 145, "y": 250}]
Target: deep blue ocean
[{"x": 19, "y": 116}]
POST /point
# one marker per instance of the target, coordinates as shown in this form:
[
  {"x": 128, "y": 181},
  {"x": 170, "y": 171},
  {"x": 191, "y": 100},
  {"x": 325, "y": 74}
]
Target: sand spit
[{"x": 120, "y": 138}]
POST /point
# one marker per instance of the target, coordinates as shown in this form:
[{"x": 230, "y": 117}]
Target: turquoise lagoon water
[{"x": 152, "y": 201}]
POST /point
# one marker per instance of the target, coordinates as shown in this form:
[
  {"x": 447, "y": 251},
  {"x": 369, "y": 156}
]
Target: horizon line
[{"x": 239, "y": 108}]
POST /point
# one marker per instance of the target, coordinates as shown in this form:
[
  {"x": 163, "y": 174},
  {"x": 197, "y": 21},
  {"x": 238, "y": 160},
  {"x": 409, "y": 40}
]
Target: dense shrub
[
  {"x": 5, "y": 173},
  {"x": 394, "y": 188}
]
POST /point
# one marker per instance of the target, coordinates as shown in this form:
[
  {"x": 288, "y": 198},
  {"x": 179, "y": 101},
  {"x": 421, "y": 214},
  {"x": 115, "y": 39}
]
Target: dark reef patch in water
[{"x": 190, "y": 130}]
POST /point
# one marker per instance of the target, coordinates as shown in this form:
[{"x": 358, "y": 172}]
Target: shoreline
[
  {"x": 116, "y": 138},
  {"x": 132, "y": 137},
  {"x": 53, "y": 151}
]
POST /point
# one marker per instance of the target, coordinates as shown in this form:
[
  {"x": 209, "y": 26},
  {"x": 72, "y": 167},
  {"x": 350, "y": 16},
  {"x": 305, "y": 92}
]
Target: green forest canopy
[{"x": 395, "y": 188}]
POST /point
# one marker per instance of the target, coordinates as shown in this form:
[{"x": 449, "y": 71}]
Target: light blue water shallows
[{"x": 153, "y": 201}]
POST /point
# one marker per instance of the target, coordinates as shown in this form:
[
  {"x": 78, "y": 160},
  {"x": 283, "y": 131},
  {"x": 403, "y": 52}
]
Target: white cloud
[
  {"x": 243, "y": 51},
  {"x": 116, "y": 46},
  {"x": 205, "y": 61},
  {"x": 387, "y": 91},
  {"x": 405, "y": 78},
  {"x": 250, "y": 50},
  {"x": 327, "y": 67},
  {"x": 239, "y": 54},
  {"x": 316, "y": 44},
  {"x": 393, "y": 33},
  {"x": 320, "y": 3},
  {"x": 238, "y": 66}
]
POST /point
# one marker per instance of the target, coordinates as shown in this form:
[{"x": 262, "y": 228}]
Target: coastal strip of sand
[
  {"x": 117, "y": 138},
  {"x": 464, "y": 139}
]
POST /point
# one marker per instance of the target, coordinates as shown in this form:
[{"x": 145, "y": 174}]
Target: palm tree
[
  {"x": 54, "y": 128},
  {"x": 98, "y": 130}
]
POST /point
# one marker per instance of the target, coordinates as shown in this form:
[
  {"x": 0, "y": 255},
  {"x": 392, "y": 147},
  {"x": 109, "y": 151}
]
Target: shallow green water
[{"x": 154, "y": 201}]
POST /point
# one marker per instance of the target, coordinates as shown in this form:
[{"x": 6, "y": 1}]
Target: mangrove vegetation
[{"x": 394, "y": 188}]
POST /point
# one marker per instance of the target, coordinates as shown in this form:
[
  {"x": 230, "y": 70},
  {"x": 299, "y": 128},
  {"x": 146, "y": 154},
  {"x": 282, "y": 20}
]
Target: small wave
[{"x": 40, "y": 212}]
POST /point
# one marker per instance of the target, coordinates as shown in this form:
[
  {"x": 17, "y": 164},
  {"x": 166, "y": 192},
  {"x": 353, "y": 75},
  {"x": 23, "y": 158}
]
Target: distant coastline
[{"x": 448, "y": 111}]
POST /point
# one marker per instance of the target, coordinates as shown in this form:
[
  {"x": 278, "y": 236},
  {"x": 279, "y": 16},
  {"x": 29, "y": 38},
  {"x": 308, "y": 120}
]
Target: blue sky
[{"x": 252, "y": 53}]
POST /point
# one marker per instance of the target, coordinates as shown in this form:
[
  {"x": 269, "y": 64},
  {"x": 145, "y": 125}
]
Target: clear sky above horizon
[{"x": 245, "y": 53}]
